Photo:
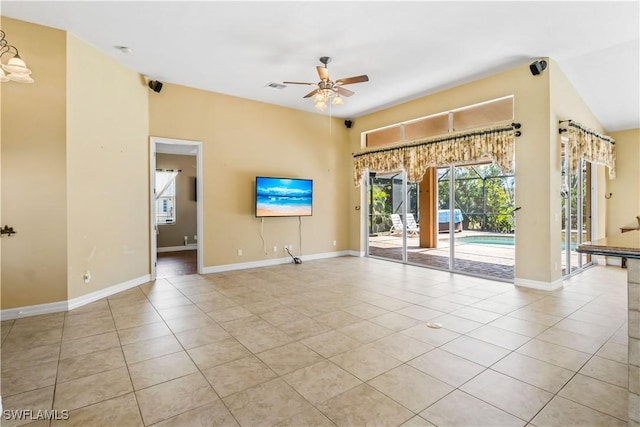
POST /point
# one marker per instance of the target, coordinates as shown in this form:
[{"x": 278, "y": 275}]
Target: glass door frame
[
  {"x": 366, "y": 185},
  {"x": 582, "y": 187}
]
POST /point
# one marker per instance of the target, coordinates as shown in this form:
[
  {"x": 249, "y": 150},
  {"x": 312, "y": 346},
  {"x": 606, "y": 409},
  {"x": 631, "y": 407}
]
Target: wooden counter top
[{"x": 625, "y": 245}]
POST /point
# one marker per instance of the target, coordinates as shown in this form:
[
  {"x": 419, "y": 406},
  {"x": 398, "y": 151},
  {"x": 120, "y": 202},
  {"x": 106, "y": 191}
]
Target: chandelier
[{"x": 15, "y": 67}]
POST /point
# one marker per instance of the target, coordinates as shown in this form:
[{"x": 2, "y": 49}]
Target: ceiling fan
[{"x": 327, "y": 89}]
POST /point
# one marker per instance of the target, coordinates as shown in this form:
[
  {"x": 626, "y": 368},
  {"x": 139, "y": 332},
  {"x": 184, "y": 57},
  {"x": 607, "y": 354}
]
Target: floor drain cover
[{"x": 434, "y": 325}]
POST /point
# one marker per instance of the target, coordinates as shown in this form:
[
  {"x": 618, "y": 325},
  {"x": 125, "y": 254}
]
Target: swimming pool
[
  {"x": 495, "y": 240},
  {"x": 487, "y": 240}
]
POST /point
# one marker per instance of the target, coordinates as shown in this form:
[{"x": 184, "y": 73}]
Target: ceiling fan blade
[
  {"x": 299, "y": 83},
  {"x": 342, "y": 91},
  {"x": 351, "y": 80},
  {"x": 310, "y": 94},
  {"x": 323, "y": 72}
]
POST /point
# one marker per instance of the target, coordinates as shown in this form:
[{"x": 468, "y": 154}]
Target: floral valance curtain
[
  {"x": 588, "y": 144},
  {"x": 416, "y": 157}
]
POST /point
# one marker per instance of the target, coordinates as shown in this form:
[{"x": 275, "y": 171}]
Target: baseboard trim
[
  {"x": 56, "y": 307},
  {"x": 535, "y": 284},
  {"x": 33, "y": 310},
  {"x": 269, "y": 262},
  {"x": 324, "y": 255},
  {"x": 358, "y": 254},
  {"x": 189, "y": 247},
  {"x": 107, "y": 292}
]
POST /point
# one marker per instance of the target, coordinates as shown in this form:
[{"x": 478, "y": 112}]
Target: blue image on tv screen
[{"x": 283, "y": 197}]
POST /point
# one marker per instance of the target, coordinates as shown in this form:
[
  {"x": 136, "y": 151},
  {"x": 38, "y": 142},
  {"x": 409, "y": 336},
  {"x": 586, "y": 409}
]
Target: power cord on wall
[
  {"x": 264, "y": 244},
  {"x": 296, "y": 260}
]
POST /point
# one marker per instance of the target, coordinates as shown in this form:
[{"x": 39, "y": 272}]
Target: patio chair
[
  {"x": 412, "y": 225},
  {"x": 396, "y": 224},
  {"x": 397, "y": 227}
]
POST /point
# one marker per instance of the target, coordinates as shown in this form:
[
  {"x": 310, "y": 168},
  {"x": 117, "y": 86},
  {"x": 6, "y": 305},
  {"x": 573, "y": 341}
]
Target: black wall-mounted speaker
[
  {"x": 348, "y": 123},
  {"x": 155, "y": 85},
  {"x": 538, "y": 67}
]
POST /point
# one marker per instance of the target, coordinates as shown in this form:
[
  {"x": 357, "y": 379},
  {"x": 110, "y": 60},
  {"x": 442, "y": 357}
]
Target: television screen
[{"x": 283, "y": 197}]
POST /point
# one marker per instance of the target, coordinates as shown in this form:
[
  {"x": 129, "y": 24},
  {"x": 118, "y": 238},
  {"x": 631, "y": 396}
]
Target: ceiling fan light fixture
[{"x": 326, "y": 89}]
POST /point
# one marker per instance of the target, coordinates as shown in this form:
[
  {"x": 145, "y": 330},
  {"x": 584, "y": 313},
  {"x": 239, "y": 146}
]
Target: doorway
[{"x": 172, "y": 256}]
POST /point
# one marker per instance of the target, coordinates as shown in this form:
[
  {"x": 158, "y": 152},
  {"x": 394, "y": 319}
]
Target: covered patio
[{"x": 482, "y": 257}]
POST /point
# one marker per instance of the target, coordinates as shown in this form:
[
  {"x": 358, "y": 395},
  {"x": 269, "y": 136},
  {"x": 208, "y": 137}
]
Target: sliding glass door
[
  {"x": 576, "y": 213},
  {"x": 458, "y": 218},
  {"x": 385, "y": 200}
]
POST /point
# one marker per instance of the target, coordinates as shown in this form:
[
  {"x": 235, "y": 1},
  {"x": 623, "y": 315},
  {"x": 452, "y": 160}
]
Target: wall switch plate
[{"x": 239, "y": 252}]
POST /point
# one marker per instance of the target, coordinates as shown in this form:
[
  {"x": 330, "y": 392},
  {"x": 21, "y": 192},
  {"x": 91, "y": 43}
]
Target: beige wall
[
  {"x": 34, "y": 196},
  {"x": 624, "y": 204},
  {"x": 74, "y": 171},
  {"x": 242, "y": 139},
  {"x": 186, "y": 212},
  {"x": 107, "y": 171}
]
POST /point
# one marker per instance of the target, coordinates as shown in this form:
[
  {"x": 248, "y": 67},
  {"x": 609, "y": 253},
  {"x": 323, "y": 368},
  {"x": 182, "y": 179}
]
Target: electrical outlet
[
  {"x": 275, "y": 249},
  {"x": 87, "y": 276},
  {"x": 239, "y": 252},
  {"x": 334, "y": 243},
  {"x": 286, "y": 247}
]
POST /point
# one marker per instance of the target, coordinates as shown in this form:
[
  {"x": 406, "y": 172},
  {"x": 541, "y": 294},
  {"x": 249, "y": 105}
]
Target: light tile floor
[{"x": 341, "y": 342}]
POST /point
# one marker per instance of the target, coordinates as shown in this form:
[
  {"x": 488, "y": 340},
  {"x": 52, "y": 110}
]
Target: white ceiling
[{"x": 408, "y": 49}]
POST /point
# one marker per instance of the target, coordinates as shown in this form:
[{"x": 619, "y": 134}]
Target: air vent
[{"x": 276, "y": 85}]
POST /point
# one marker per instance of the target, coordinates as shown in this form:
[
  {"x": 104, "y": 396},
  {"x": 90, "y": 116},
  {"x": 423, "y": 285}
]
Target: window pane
[
  {"x": 165, "y": 203},
  {"x": 384, "y": 136},
  {"x": 483, "y": 115},
  {"x": 431, "y": 126}
]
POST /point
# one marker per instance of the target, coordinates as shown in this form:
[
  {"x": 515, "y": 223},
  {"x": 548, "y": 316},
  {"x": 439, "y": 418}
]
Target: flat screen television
[{"x": 276, "y": 197}]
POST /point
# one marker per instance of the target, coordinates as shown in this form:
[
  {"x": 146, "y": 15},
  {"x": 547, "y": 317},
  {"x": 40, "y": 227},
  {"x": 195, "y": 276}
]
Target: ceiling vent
[{"x": 276, "y": 85}]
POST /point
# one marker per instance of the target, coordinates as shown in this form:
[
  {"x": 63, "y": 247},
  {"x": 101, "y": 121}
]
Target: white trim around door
[{"x": 184, "y": 147}]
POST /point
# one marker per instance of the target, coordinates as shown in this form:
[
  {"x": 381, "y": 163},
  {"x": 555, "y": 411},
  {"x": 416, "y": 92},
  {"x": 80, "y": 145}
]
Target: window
[
  {"x": 477, "y": 115},
  {"x": 166, "y": 197}
]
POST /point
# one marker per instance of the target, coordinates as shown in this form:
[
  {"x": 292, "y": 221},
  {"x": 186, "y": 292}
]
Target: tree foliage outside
[
  {"x": 571, "y": 187},
  {"x": 484, "y": 195},
  {"x": 380, "y": 208},
  {"x": 382, "y": 203}
]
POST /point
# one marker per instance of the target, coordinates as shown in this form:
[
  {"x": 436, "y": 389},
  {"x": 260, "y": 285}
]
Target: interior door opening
[{"x": 176, "y": 231}]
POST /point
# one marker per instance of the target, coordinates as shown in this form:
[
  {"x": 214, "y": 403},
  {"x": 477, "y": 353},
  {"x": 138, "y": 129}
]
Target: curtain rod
[
  {"x": 585, "y": 130},
  {"x": 168, "y": 170},
  {"x": 444, "y": 139}
]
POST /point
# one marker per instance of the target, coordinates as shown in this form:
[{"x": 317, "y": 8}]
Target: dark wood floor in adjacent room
[{"x": 180, "y": 263}]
